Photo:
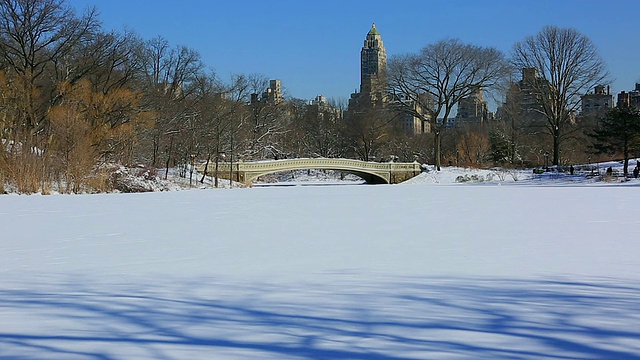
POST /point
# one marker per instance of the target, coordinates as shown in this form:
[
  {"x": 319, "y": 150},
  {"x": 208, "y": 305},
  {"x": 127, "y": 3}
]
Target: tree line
[
  {"x": 76, "y": 99},
  {"x": 539, "y": 118}
]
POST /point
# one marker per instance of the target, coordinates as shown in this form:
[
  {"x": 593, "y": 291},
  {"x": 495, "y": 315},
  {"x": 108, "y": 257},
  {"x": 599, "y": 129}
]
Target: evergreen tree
[
  {"x": 618, "y": 132},
  {"x": 500, "y": 148}
]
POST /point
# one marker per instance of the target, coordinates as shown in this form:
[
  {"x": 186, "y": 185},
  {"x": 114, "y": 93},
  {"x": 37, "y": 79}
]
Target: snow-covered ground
[{"x": 546, "y": 267}]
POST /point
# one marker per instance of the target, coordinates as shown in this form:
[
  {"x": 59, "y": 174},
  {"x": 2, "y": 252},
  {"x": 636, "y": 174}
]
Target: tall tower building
[
  {"x": 373, "y": 64},
  {"x": 373, "y": 72},
  {"x": 373, "y": 85}
]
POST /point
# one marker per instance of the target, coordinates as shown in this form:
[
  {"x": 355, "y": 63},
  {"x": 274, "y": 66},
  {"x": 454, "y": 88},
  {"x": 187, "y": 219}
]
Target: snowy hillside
[{"x": 543, "y": 268}]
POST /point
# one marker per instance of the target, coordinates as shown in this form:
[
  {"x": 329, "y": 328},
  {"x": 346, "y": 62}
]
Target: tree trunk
[
  {"x": 626, "y": 157},
  {"x": 231, "y": 161},
  {"x": 191, "y": 171},
  {"x": 215, "y": 171},
  {"x": 166, "y": 173},
  {"x": 206, "y": 168},
  {"x": 436, "y": 148},
  {"x": 513, "y": 140},
  {"x": 556, "y": 147},
  {"x": 156, "y": 148}
]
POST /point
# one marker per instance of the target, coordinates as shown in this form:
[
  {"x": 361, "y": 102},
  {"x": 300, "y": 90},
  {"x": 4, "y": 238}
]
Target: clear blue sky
[{"x": 314, "y": 46}]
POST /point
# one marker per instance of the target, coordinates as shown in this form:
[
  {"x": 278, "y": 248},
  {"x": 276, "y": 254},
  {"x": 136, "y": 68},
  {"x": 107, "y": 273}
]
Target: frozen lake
[{"x": 422, "y": 271}]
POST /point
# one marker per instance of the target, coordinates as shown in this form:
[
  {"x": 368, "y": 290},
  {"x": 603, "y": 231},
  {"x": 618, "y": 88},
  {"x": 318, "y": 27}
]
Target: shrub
[{"x": 467, "y": 178}]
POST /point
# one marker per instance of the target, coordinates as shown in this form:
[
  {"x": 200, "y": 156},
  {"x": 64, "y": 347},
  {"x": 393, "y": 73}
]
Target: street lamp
[{"x": 546, "y": 161}]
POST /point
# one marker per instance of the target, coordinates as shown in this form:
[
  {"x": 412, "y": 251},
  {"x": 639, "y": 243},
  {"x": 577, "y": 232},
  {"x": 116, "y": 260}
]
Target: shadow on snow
[{"x": 393, "y": 318}]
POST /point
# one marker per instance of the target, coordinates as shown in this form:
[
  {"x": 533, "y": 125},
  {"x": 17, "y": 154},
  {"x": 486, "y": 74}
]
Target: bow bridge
[{"x": 371, "y": 172}]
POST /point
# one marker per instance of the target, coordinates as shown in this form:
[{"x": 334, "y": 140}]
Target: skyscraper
[
  {"x": 373, "y": 85},
  {"x": 373, "y": 68},
  {"x": 373, "y": 71}
]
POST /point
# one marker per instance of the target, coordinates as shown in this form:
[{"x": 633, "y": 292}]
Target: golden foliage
[
  {"x": 83, "y": 129},
  {"x": 473, "y": 148},
  {"x": 90, "y": 127}
]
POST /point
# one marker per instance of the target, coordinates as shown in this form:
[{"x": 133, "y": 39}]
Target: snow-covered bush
[
  {"x": 500, "y": 174},
  {"x": 470, "y": 178}
]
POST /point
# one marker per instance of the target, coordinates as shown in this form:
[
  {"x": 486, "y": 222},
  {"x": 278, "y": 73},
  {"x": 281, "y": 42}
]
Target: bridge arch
[{"x": 368, "y": 177}]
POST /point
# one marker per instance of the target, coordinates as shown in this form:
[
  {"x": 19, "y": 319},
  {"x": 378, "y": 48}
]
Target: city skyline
[{"x": 314, "y": 48}]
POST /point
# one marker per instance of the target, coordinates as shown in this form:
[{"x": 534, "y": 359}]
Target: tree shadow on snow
[{"x": 389, "y": 318}]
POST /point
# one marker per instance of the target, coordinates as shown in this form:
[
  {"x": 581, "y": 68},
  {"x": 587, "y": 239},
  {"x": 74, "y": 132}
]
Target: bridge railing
[{"x": 358, "y": 164}]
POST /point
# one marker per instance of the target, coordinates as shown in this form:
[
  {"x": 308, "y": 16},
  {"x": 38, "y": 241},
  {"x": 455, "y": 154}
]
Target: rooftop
[{"x": 373, "y": 30}]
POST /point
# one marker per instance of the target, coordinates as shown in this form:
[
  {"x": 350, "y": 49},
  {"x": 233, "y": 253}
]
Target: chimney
[{"x": 529, "y": 74}]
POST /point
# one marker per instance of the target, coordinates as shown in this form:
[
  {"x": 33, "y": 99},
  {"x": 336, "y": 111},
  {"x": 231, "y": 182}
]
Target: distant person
[
  {"x": 571, "y": 169},
  {"x": 636, "y": 171}
]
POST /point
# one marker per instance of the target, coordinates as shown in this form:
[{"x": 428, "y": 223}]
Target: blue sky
[{"x": 314, "y": 46}]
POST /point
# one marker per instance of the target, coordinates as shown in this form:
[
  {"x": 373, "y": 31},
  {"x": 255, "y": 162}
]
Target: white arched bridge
[{"x": 371, "y": 172}]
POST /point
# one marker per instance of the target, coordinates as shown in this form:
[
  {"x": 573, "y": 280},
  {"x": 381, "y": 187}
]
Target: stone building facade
[
  {"x": 272, "y": 95},
  {"x": 473, "y": 110},
  {"x": 597, "y": 103},
  {"x": 631, "y": 99}
]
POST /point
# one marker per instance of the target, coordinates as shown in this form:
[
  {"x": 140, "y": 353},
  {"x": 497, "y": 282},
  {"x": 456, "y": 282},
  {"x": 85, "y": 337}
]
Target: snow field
[{"x": 330, "y": 272}]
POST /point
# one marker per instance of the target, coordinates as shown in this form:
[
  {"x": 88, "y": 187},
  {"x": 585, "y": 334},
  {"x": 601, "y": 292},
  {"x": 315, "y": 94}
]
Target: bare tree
[
  {"x": 317, "y": 129},
  {"x": 472, "y": 145},
  {"x": 429, "y": 84},
  {"x": 269, "y": 118},
  {"x": 105, "y": 58},
  {"x": 153, "y": 56},
  {"x": 32, "y": 34},
  {"x": 568, "y": 65},
  {"x": 508, "y": 136},
  {"x": 169, "y": 78},
  {"x": 221, "y": 113},
  {"x": 368, "y": 129}
]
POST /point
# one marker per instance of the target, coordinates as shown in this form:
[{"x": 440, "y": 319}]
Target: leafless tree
[
  {"x": 168, "y": 77},
  {"x": 268, "y": 126},
  {"x": 32, "y": 34},
  {"x": 221, "y": 113},
  {"x": 430, "y": 83},
  {"x": 105, "y": 58},
  {"x": 367, "y": 130},
  {"x": 568, "y": 66},
  {"x": 317, "y": 129}
]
